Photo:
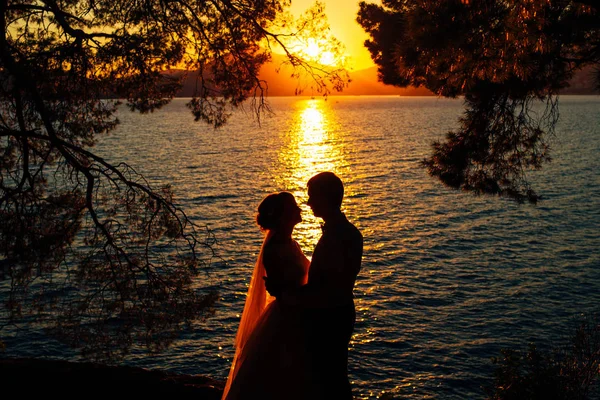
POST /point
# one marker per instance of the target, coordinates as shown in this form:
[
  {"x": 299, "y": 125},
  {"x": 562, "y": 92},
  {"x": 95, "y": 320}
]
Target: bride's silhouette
[
  {"x": 296, "y": 347},
  {"x": 269, "y": 346}
]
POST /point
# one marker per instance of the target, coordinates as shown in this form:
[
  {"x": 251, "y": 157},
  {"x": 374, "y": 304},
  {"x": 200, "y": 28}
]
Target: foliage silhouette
[
  {"x": 509, "y": 59},
  {"x": 89, "y": 248},
  {"x": 564, "y": 372}
]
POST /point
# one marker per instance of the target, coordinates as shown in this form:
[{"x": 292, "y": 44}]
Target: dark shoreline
[{"x": 28, "y": 376}]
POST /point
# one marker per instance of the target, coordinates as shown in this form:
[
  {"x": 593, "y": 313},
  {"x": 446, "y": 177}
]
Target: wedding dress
[{"x": 270, "y": 360}]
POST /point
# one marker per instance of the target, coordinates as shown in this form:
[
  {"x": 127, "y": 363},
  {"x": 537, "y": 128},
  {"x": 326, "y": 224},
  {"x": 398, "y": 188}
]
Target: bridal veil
[{"x": 257, "y": 300}]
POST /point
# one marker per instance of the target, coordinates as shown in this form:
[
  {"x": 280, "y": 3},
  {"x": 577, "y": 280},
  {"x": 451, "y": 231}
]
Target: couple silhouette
[{"x": 292, "y": 342}]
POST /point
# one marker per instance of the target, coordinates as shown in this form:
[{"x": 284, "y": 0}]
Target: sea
[{"x": 448, "y": 278}]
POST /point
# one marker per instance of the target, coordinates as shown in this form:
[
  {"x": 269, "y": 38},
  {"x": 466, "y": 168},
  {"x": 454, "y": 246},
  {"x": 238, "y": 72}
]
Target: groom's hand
[{"x": 273, "y": 289}]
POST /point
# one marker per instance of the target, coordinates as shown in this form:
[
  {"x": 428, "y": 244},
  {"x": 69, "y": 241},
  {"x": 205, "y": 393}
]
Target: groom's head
[{"x": 325, "y": 193}]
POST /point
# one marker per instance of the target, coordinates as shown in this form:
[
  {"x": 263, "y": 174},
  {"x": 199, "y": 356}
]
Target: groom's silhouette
[{"x": 327, "y": 301}]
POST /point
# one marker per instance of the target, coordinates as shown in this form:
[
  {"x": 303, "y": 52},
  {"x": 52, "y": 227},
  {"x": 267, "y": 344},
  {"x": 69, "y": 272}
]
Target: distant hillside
[
  {"x": 584, "y": 82},
  {"x": 363, "y": 82},
  {"x": 281, "y": 83}
]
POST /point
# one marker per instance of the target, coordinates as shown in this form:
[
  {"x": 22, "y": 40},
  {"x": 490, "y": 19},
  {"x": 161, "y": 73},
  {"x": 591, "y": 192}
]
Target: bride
[{"x": 270, "y": 359}]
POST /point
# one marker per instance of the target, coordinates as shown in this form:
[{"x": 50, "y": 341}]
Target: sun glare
[
  {"x": 327, "y": 58},
  {"x": 312, "y": 146},
  {"x": 313, "y": 51}
]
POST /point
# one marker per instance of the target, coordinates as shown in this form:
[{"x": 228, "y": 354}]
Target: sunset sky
[{"x": 342, "y": 19}]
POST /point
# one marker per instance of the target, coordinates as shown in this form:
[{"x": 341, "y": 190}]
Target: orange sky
[{"x": 342, "y": 19}]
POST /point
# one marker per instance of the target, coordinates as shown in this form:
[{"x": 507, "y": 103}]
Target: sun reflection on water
[{"x": 312, "y": 145}]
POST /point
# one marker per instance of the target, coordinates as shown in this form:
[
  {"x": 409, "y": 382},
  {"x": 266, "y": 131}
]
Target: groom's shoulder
[{"x": 352, "y": 231}]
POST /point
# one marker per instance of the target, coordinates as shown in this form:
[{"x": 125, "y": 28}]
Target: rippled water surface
[{"x": 448, "y": 279}]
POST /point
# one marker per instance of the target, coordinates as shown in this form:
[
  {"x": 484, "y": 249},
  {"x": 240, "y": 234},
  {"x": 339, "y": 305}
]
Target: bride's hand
[{"x": 273, "y": 289}]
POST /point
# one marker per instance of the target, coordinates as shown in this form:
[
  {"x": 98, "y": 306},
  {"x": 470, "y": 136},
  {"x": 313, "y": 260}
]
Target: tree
[
  {"x": 111, "y": 256},
  {"x": 567, "y": 371},
  {"x": 505, "y": 57}
]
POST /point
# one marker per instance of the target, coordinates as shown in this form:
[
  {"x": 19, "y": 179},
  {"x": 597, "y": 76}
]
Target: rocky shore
[{"x": 75, "y": 380}]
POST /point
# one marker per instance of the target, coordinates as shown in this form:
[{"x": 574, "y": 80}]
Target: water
[{"x": 448, "y": 279}]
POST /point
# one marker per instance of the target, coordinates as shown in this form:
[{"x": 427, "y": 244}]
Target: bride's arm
[
  {"x": 274, "y": 288},
  {"x": 273, "y": 283}
]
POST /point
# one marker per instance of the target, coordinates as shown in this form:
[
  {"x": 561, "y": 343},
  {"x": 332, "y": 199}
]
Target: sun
[
  {"x": 312, "y": 48},
  {"x": 314, "y": 51}
]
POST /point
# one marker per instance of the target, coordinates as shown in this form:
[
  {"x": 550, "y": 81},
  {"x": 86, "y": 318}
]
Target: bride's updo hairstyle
[{"x": 270, "y": 210}]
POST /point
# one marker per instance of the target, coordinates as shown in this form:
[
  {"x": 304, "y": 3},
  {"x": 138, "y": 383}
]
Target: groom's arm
[
  {"x": 302, "y": 296},
  {"x": 332, "y": 274}
]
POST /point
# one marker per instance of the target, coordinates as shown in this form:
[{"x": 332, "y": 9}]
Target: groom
[{"x": 326, "y": 302}]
